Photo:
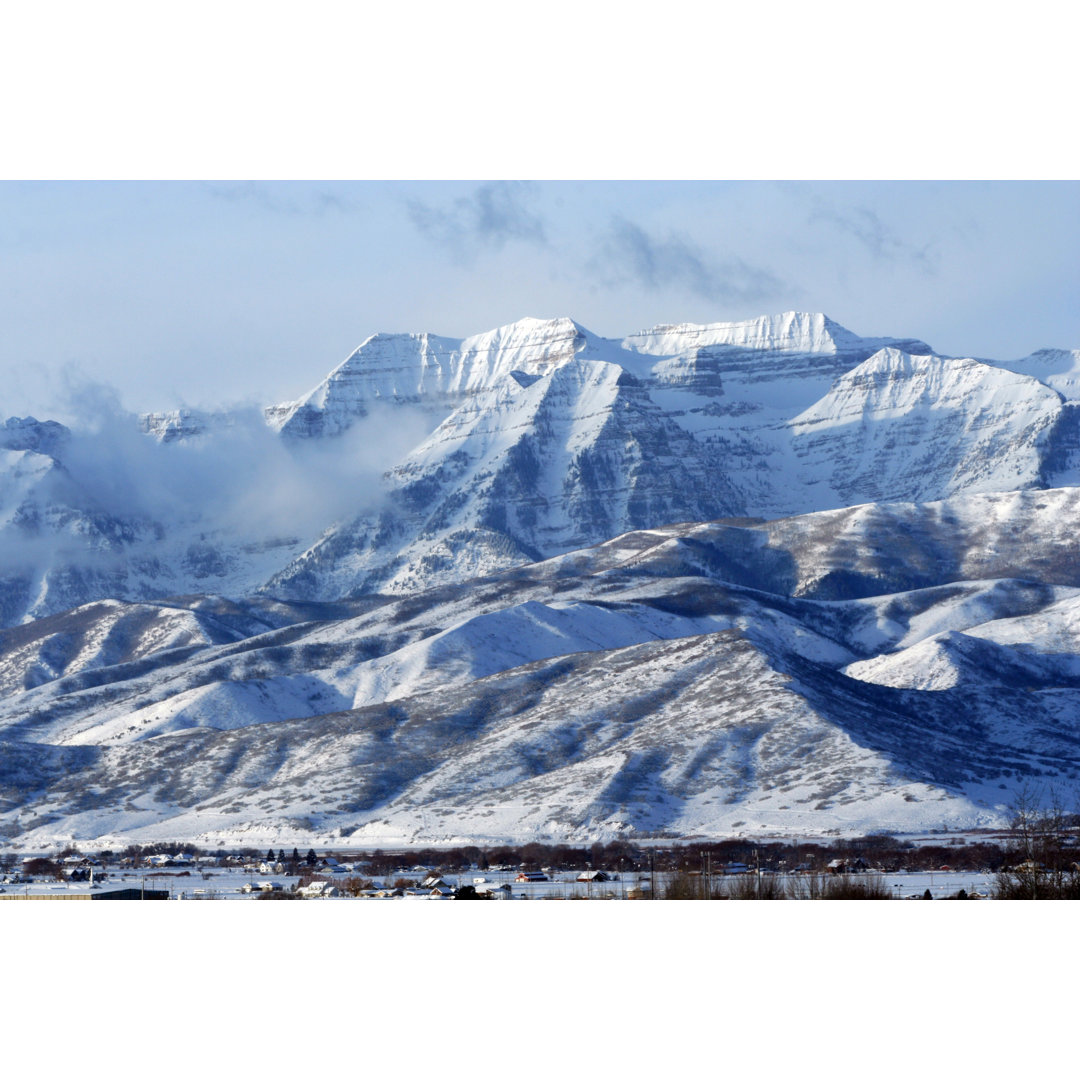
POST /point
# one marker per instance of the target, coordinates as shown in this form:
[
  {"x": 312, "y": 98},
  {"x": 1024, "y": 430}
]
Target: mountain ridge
[{"x": 760, "y": 576}]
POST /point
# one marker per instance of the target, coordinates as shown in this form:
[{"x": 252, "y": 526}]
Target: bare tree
[{"x": 1040, "y": 861}]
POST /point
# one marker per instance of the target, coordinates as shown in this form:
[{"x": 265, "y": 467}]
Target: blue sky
[{"x": 207, "y": 293}]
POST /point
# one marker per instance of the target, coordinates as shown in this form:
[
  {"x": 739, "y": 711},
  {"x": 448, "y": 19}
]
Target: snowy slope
[
  {"x": 696, "y": 735},
  {"x": 522, "y": 472},
  {"x": 668, "y": 680},
  {"x": 922, "y": 427},
  {"x": 1057, "y": 368}
]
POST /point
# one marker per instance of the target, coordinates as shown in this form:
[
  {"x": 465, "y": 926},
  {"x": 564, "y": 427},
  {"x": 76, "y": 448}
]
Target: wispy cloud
[
  {"x": 492, "y": 215},
  {"x": 284, "y": 198},
  {"x": 866, "y": 226},
  {"x": 628, "y": 253}
]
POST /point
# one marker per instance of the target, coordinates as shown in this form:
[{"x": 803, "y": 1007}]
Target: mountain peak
[
  {"x": 434, "y": 373},
  {"x": 29, "y": 433},
  {"x": 547, "y": 338},
  {"x": 176, "y": 424},
  {"x": 790, "y": 331},
  {"x": 796, "y": 332},
  {"x": 531, "y": 324}
]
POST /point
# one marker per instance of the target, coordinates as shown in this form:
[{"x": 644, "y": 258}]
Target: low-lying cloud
[{"x": 115, "y": 489}]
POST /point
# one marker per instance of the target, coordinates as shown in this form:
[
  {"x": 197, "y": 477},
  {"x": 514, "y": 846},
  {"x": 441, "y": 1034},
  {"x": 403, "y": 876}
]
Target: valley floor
[{"x": 244, "y": 885}]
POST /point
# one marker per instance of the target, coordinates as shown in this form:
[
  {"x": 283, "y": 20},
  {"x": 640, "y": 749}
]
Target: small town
[{"x": 1023, "y": 863}]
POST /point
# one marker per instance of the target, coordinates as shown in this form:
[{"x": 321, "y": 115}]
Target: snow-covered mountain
[
  {"x": 767, "y": 418},
  {"x": 540, "y": 583},
  {"x": 509, "y": 446}
]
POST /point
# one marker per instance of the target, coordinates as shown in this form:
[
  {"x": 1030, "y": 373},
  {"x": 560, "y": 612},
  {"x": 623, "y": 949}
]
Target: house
[
  {"x": 848, "y": 866},
  {"x": 433, "y": 881},
  {"x": 444, "y": 893},
  {"x": 593, "y": 875},
  {"x": 261, "y": 886},
  {"x": 317, "y": 890},
  {"x": 531, "y": 875}
]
